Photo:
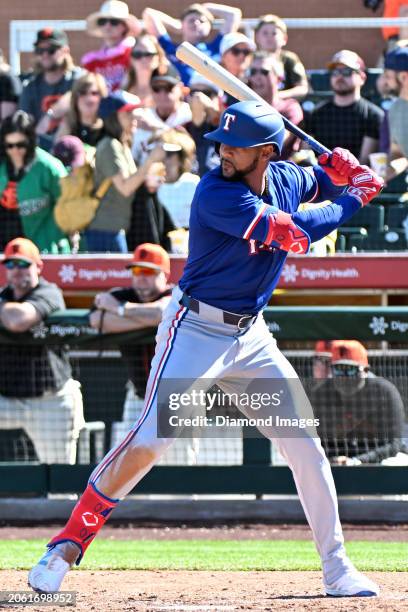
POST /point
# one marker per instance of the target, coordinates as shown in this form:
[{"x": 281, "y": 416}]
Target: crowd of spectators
[{"x": 140, "y": 114}]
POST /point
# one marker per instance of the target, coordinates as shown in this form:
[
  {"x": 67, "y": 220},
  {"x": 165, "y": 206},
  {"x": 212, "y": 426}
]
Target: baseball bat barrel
[{"x": 212, "y": 71}]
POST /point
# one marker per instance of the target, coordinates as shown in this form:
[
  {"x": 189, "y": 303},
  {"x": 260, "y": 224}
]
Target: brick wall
[{"x": 314, "y": 46}]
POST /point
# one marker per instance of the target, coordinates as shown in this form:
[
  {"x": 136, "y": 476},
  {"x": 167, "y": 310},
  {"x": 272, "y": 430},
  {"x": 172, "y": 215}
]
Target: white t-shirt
[{"x": 177, "y": 197}]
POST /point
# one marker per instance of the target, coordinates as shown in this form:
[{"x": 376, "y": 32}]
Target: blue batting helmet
[{"x": 249, "y": 124}]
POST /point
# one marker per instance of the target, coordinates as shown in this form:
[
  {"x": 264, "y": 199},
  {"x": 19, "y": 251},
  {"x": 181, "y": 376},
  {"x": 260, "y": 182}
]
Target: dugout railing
[{"x": 383, "y": 331}]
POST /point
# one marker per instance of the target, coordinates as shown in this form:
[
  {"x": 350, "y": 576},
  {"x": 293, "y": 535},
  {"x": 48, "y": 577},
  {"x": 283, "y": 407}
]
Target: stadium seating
[
  {"x": 387, "y": 240},
  {"x": 396, "y": 215}
]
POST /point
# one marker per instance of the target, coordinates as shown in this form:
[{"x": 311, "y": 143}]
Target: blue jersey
[{"x": 231, "y": 263}]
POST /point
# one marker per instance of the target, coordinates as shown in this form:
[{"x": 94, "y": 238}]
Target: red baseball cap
[
  {"x": 22, "y": 248},
  {"x": 349, "y": 352},
  {"x": 323, "y": 348},
  {"x": 148, "y": 255}
]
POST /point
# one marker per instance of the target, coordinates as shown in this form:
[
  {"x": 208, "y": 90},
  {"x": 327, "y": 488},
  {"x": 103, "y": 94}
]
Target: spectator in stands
[
  {"x": 321, "y": 370},
  {"x": 29, "y": 187},
  {"x": 146, "y": 56},
  {"x": 361, "y": 416},
  {"x": 391, "y": 34},
  {"x": 194, "y": 27},
  {"x": 398, "y": 114},
  {"x": 271, "y": 35},
  {"x": 44, "y": 94},
  {"x": 136, "y": 307},
  {"x": 236, "y": 52},
  {"x": 348, "y": 120},
  {"x": 10, "y": 89},
  {"x": 264, "y": 80},
  {"x": 177, "y": 192},
  {"x": 82, "y": 118},
  {"x": 169, "y": 111},
  {"x": 37, "y": 391},
  {"x": 205, "y": 101},
  {"x": 107, "y": 231},
  {"x": 117, "y": 28}
]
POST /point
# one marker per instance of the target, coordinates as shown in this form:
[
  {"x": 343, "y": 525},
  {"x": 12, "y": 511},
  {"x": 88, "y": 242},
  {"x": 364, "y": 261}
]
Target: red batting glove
[
  {"x": 339, "y": 165},
  {"x": 364, "y": 184},
  {"x": 286, "y": 235}
]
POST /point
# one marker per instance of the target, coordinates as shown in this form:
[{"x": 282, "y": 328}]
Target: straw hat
[{"x": 113, "y": 9}]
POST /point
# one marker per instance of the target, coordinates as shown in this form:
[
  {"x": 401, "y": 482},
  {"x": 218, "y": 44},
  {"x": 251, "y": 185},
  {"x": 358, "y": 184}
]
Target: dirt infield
[{"x": 108, "y": 591}]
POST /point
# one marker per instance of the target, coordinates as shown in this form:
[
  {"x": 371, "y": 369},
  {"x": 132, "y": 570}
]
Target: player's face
[
  {"x": 237, "y": 162},
  {"x": 148, "y": 287}
]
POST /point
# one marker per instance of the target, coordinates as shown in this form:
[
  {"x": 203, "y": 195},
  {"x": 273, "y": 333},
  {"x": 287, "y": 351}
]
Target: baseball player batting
[{"x": 244, "y": 221}]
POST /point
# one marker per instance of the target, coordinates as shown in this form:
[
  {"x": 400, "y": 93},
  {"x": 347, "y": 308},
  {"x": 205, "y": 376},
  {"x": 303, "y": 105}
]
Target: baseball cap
[
  {"x": 118, "y": 102},
  {"x": 56, "y": 37},
  {"x": 197, "y": 8},
  {"x": 347, "y": 58},
  {"x": 349, "y": 352},
  {"x": 70, "y": 150},
  {"x": 169, "y": 75},
  {"x": 235, "y": 38},
  {"x": 21, "y": 248},
  {"x": 323, "y": 348},
  {"x": 397, "y": 59},
  {"x": 148, "y": 255},
  {"x": 274, "y": 20}
]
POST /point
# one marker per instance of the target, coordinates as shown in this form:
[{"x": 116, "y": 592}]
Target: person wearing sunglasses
[
  {"x": 82, "y": 118},
  {"x": 146, "y": 56},
  {"x": 361, "y": 415},
  {"x": 169, "y": 110},
  {"x": 347, "y": 120},
  {"x": 236, "y": 51},
  {"x": 194, "y": 26},
  {"x": 44, "y": 94},
  {"x": 138, "y": 306},
  {"x": 114, "y": 161},
  {"x": 271, "y": 36},
  {"x": 29, "y": 187},
  {"x": 263, "y": 78},
  {"x": 117, "y": 28},
  {"x": 37, "y": 391}
]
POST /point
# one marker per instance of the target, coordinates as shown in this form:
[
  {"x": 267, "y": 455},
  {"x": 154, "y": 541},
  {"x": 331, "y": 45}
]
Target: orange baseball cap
[
  {"x": 21, "y": 248},
  {"x": 323, "y": 347},
  {"x": 152, "y": 256},
  {"x": 349, "y": 352}
]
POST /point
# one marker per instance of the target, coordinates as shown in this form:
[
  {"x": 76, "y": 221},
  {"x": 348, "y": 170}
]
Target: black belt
[{"x": 241, "y": 321}]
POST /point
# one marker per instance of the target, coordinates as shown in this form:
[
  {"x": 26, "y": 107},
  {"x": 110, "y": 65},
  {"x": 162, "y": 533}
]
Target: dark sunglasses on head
[
  {"x": 255, "y": 71},
  {"x": 21, "y": 264},
  {"x": 238, "y": 51},
  {"x": 167, "y": 87},
  {"x": 345, "y": 371},
  {"x": 16, "y": 145},
  {"x": 46, "y": 50},
  {"x": 345, "y": 72},
  {"x": 102, "y": 21},
  {"x": 136, "y": 54}
]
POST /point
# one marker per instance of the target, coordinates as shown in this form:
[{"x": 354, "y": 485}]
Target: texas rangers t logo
[{"x": 228, "y": 119}]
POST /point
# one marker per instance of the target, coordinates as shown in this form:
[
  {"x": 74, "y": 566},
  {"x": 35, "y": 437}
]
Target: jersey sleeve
[
  {"x": 233, "y": 209},
  {"x": 167, "y": 45},
  {"x": 46, "y": 300}
]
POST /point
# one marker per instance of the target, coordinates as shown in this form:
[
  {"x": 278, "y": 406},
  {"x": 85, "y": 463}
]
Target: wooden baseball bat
[{"x": 212, "y": 71}]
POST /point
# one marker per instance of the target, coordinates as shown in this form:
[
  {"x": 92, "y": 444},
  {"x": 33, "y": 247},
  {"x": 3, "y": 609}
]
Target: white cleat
[
  {"x": 352, "y": 584},
  {"x": 48, "y": 574}
]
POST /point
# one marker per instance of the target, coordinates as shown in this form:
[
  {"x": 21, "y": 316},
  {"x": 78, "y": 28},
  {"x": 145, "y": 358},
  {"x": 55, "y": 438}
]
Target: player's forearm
[
  {"x": 318, "y": 222},
  {"x": 327, "y": 190}
]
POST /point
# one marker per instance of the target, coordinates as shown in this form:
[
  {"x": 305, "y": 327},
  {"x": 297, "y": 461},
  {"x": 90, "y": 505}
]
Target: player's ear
[{"x": 268, "y": 152}]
